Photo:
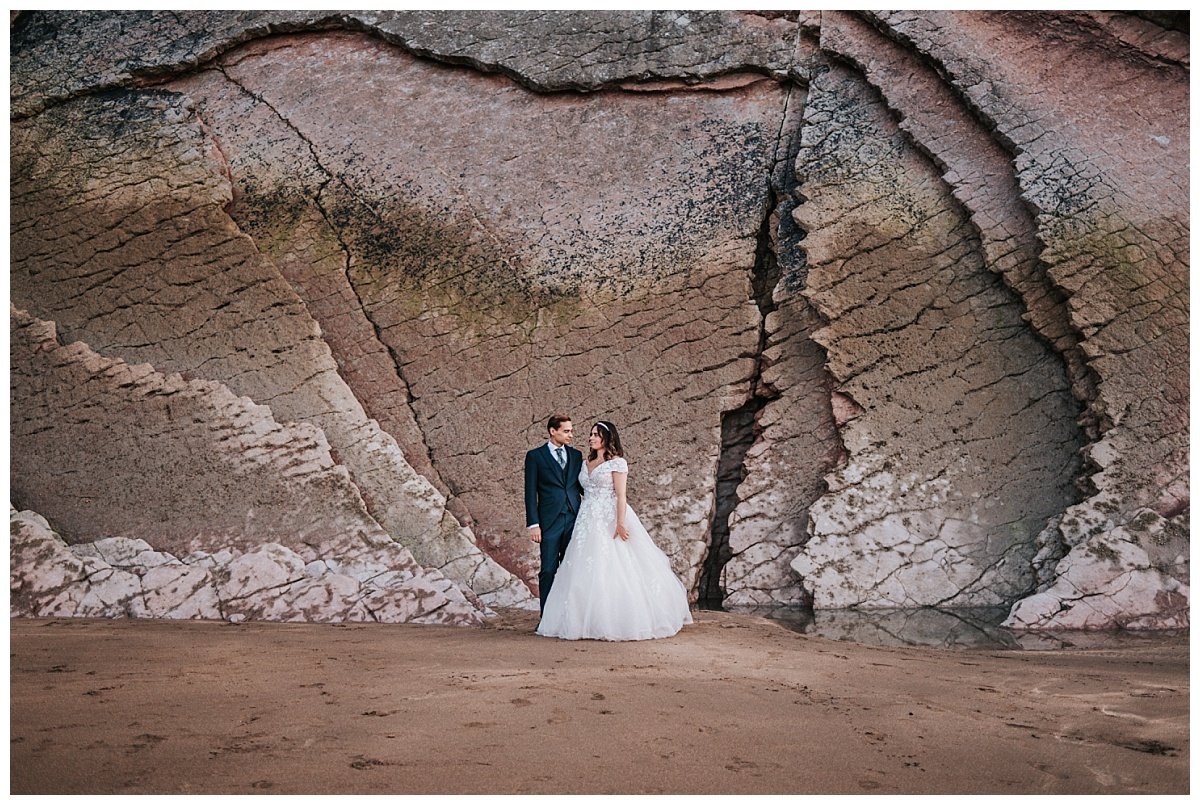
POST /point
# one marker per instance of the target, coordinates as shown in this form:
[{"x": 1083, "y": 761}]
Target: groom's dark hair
[{"x": 556, "y": 421}]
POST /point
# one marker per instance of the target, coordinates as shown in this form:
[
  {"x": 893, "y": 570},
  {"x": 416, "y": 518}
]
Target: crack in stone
[
  {"x": 330, "y": 176},
  {"x": 1086, "y": 380},
  {"x": 1084, "y": 385},
  {"x": 740, "y": 427},
  {"x": 191, "y": 62},
  {"x": 877, "y": 346}
]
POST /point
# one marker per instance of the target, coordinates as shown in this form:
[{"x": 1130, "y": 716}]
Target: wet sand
[{"x": 733, "y": 704}]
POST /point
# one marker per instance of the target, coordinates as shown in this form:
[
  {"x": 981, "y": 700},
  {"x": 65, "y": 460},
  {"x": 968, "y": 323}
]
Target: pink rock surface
[
  {"x": 856, "y": 285},
  {"x": 1100, "y": 163},
  {"x": 965, "y": 444},
  {"x": 1130, "y": 577},
  {"x": 121, "y": 577},
  {"x": 557, "y": 269},
  {"x": 120, "y": 237}
]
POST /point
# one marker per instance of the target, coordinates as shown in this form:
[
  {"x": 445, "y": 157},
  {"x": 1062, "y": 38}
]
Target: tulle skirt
[{"x": 613, "y": 589}]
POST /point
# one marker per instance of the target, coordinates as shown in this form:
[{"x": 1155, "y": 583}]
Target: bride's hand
[{"x": 622, "y": 533}]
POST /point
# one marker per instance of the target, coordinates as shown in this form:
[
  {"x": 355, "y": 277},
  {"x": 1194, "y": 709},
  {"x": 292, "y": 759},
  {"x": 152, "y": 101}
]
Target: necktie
[{"x": 560, "y": 454}]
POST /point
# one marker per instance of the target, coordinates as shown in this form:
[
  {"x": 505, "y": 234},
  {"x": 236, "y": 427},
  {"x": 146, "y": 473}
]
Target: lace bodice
[{"x": 599, "y": 481}]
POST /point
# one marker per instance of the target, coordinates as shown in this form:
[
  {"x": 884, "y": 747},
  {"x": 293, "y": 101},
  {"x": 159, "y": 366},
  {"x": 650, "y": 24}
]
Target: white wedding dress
[{"x": 607, "y": 588}]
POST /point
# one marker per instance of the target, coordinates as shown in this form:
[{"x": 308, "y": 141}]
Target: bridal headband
[{"x": 602, "y": 425}]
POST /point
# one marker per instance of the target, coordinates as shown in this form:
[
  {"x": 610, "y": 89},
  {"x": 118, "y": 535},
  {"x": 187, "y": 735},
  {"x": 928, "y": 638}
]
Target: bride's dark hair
[{"x": 608, "y": 435}]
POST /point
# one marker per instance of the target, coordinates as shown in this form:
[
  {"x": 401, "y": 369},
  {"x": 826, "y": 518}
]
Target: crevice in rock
[
  {"x": 1000, "y": 294},
  {"x": 790, "y": 16},
  {"x": 1179, "y": 21},
  {"x": 1016, "y": 258},
  {"x": 739, "y": 430},
  {"x": 740, "y": 427},
  {"x": 1095, "y": 420},
  {"x": 155, "y": 74}
]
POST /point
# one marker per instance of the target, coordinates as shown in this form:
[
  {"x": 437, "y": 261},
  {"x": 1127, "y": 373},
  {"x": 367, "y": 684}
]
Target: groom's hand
[{"x": 535, "y": 534}]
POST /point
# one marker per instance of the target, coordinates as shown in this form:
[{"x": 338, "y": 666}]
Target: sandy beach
[{"x": 733, "y": 704}]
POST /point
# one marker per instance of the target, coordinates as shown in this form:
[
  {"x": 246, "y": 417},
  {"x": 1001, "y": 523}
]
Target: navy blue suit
[{"x": 552, "y": 496}]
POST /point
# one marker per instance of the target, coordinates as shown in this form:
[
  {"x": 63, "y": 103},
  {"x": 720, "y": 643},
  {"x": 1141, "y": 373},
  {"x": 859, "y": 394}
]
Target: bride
[{"x": 614, "y": 583}]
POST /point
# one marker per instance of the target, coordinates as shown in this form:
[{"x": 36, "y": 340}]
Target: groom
[{"x": 552, "y": 494}]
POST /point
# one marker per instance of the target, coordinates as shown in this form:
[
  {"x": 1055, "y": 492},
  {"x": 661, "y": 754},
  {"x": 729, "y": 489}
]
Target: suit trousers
[{"x": 554, "y": 546}]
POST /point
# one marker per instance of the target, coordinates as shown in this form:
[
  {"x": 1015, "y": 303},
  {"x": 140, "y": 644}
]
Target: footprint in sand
[
  {"x": 1046, "y": 768},
  {"x": 1149, "y": 747},
  {"x": 739, "y": 765},
  {"x": 99, "y": 691},
  {"x": 367, "y": 763},
  {"x": 143, "y": 741},
  {"x": 1151, "y": 693}
]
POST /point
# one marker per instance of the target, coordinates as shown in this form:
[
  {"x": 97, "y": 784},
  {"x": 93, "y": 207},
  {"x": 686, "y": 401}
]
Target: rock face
[
  {"x": 64, "y": 55},
  {"x": 502, "y": 285},
  {"x": 890, "y": 307},
  {"x": 122, "y": 577},
  {"x": 1135, "y": 576},
  {"x": 1098, "y": 163},
  {"x": 120, "y": 238},
  {"x": 793, "y": 439},
  {"x": 954, "y": 398}
]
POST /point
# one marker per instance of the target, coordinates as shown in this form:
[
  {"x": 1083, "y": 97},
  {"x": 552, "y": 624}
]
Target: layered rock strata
[
  {"x": 120, "y": 237},
  {"x": 133, "y": 426},
  {"x": 1097, "y": 158},
  {"x": 871, "y": 401},
  {"x": 62, "y": 55},
  {"x": 122, "y": 577},
  {"x": 960, "y": 441},
  {"x": 501, "y": 285},
  {"x": 1134, "y": 576},
  {"x": 979, "y": 173}
]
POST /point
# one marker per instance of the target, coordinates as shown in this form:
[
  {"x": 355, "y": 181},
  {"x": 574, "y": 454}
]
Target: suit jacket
[{"x": 549, "y": 489}]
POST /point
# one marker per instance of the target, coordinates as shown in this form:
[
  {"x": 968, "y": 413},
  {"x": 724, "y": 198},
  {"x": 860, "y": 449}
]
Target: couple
[{"x": 602, "y": 576}]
